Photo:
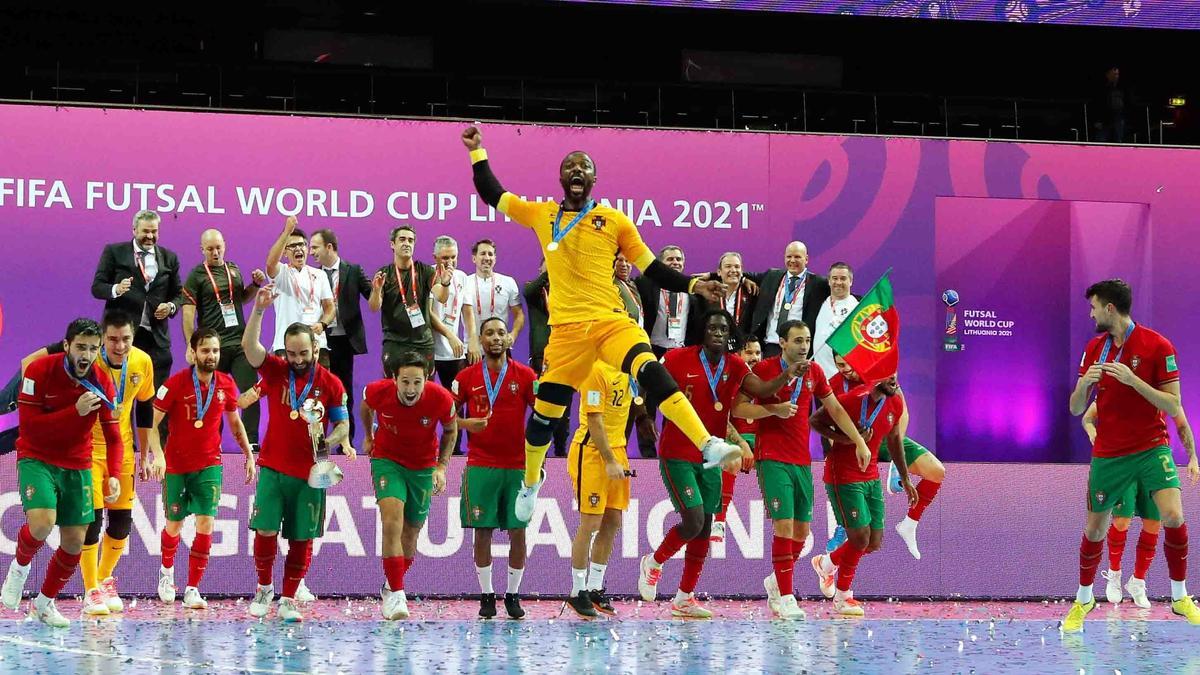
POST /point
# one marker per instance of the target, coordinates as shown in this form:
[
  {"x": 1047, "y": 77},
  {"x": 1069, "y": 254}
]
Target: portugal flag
[{"x": 869, "y": 339}]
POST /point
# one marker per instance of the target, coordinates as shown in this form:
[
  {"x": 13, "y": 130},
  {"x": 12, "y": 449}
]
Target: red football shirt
[
  {"x": 1126, "y": 422},
  {"x": 685, "y": 366},
  {"x": 287, "y": 448},
  {"x": 188, "y": 448},
  {"x": 787, "y": 440},
  {"x": 51, "y": 430},
  {"x": 502, "y": 444},
  {"x": 841, "y": 464},
  {"x": 407, "y": 434}
]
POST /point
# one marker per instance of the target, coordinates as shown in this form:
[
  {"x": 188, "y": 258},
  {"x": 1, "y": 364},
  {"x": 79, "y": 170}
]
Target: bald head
[
  {"x": 795, "y": 257},
  {"x": 212, "y": 246}
]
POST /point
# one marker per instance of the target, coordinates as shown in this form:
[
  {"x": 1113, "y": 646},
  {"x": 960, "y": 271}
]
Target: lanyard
[
  {"x": 86, "y": 384},
  {"x": 228, "y": 276},
  {"x": 493, "y": 388},
  {"x": 201, "y": 409},
  {"x": 412, "y": 274},
  {"x": 556, "y": 235}
]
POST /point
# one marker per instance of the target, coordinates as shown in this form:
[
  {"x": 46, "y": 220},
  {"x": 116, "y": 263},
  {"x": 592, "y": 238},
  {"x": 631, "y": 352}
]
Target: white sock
[
  {"x": 485, "y": 578},
  {"x": 596, "y": 576},
  {"x": 1084, "y": 595},
  {"x": 681, "y": 597},
  {"x": 514, "y": 580},
  {"x": 578, "y": 581},
  {"x": 1178, "y": 590}
]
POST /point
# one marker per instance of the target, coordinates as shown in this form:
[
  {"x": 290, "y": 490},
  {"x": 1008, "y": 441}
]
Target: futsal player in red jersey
[
  {"x": 194, "y": 401},
  {"x": 854, "y": 489},
  {"x": 1135, "y": 376},
  {"x": 61, "y": 398},
  {"x": 743, "y": 433},
  {"x": 711, "y": 379},
  {"x": 497, "y": 392},
  {"x": 283, "y": 498},
  {"x": 408, "y": 462}
]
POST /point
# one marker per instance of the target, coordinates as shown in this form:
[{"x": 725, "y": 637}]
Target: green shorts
[
  {"x": 1148, "y": 471},
  {"x": 857, "y": 505},
  {"x": 690, "y": 485},
  {"x": 196, "y": 492},
  {"x": 489, "y": 497},
  {"x": 280, "y": 498},
  {"x": 67, "y": 491},
  {"x": 411, "y": 486},
  {"x": 787, "y": 490},
  {"x": 1138, "y": 503},
  {"x": 912, "y": 450}
]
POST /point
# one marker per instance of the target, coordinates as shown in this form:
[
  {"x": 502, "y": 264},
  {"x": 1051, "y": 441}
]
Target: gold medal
[
  {"x": 199, "y": 424},
  {"x": 295, "y": 414},
  {"x": 718, "y": 406}
]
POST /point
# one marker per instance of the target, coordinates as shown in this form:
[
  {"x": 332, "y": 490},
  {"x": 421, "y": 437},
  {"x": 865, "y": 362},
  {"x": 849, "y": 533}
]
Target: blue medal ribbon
[
  {"x": 556, "y": 235},
  {"x": 87, "y": 384},
  {"x": 1109, "y": 343},
  {"x": 298, "y": 403},
  {"x": 714, "y": 378},
  {"x": 493, "y": 389},
  {"x": 212, "y": 387}
]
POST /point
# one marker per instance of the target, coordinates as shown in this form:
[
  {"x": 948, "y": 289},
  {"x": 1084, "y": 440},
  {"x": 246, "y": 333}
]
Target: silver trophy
[{"x": 324, "y": 473}]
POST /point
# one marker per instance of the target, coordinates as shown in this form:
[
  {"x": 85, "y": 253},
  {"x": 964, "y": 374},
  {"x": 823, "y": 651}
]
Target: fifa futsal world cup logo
[{"x": 950, "y": 341}]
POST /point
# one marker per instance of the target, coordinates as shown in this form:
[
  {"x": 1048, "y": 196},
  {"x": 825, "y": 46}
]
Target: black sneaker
[
  {"x": 487, "y": 606},
  {"x": 512, "y": 605},
  {"x": 602, "y": 603},
  {"x": 582, "y": 604}
]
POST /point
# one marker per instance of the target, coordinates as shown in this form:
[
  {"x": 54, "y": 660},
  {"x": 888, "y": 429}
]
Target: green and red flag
[{"x": 869, "y": 339}]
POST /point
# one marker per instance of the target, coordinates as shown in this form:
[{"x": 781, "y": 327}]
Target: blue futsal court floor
[{"x": 344, "y": 636}]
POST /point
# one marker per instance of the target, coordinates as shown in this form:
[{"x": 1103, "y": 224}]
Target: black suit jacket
[
  {"x": 117, "y": 263},
  {"x": 648, "y": 292},
  {"x": 816, "y": 291},
  {"x": 352, "y": 285}
]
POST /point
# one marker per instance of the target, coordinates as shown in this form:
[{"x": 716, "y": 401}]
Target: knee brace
[
  {"x": 92, "y": 537},
  {"x": 654, "y": 379},
  {"x": 120, "y": 523}
]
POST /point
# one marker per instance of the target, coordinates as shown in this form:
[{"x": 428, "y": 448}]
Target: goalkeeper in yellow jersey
[{"x": 580, "y": 239}]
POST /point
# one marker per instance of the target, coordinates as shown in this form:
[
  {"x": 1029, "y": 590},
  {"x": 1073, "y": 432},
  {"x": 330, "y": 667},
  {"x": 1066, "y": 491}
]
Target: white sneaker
[
  {"x": 648, "y": 577},
  {"x": 772, "y": 587},
  {"x": 718, "y": 531},
  {"x": 689, "y": 608},
  {"x": 717, "y": 451},
  {"x": 395, "y": 606},
  {"x": 192, "y": 599},
  {"x": 907, "y": 529},
  {"x": 808, "y": 545},
  {"x": 826, "y": 580},
  {"x": 14, "y": 583},
  {"x": 93, "y": 603},
  {"x": 790, "y": 609},
  {"x": 1137, "y": 591},
  {"x": 43, "y": 609},
  {"x": 289, "y": 610},
  {"x": 303, "y": 594},
  {"x": 166, "y": 584},
  {"x": 527, "y": 499},
  {"x": 109, "y": 588},
  {"x": 261, "y": 604},
  {"x": 846, "y": 605},
  {"x": 1113, "y": 589}
]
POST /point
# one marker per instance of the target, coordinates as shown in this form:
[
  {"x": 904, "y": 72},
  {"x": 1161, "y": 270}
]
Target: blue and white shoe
[
  {"x": 893, "y": 484},
  {"x": 838, "y": 538}
]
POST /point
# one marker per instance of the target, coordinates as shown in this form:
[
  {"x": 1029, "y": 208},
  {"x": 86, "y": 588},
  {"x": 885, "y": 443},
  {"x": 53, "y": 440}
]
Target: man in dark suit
[
  {"x": 347, "y": 337},
  {"x": 787, "y": 294},
  {"x": 141, "y": 278}
]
